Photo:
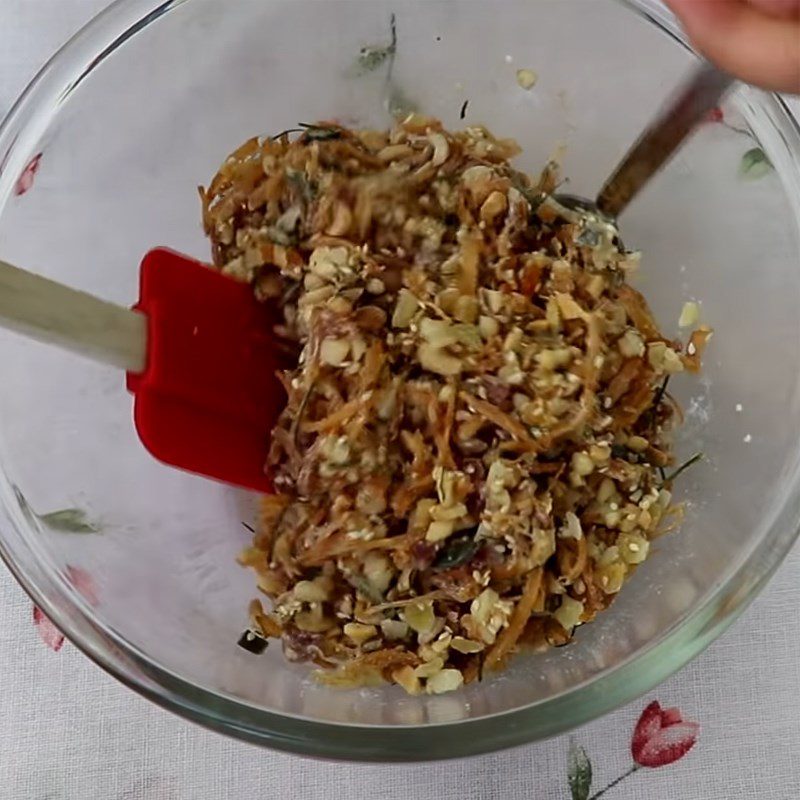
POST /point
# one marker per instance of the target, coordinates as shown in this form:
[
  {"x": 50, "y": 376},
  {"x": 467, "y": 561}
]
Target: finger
[{"x": 757, "y": 48}]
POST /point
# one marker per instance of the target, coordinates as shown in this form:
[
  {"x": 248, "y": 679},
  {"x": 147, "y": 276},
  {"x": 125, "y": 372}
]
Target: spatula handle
[
  {"x": 704, "y": 88},
  {"x": 55, "y": 314}
]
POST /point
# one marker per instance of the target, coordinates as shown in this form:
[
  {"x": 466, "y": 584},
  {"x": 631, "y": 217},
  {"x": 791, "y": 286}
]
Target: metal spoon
[{"x": 690, "y": 104}]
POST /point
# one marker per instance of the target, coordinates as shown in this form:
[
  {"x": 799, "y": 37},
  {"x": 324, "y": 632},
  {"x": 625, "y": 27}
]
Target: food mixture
[{"x": 475, "y": 450}]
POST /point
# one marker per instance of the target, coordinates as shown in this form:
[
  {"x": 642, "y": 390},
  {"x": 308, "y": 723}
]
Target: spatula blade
[{"x": 209, "y": 396}]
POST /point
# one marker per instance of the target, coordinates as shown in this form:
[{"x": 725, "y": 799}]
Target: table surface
[{"x": 70, "y": 732}]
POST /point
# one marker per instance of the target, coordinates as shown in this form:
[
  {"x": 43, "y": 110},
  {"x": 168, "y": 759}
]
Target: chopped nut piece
[
  {"x": 631, "y": 344},
  {"x": 494, "y": 205},
  {"x": 569, "y": 308},
  {"x": 482, "y": 607},
  {"x": 394, "y": 629},
  {"x": 690, "y": 315},
  {"x": 379, "y": 571},
  {"x": 334, "y": 352},
  {"x": 568, "y": 614},
  {"x": 611, "y": 577},
  {"x": 430, "y": 668},
  {"x": 462, "y": 645},
  {"x": 466, "y": 309},
  {"x": 447, "y": 680},
  {"x": 494, "y": 300},
  {"x": 633, "y": 548},
  {"x": 663, "y": 358},
  {"x": 606, "y": 490},
  {"x": 437, "y": 531},
  {"x": 407, "y": 678},
  {"x": 359, "y": 633},
  {"x": 638, "y": 444},
  {"x": 419, "y": 616},
  {"x": 328, "y": 262},
  {"x": 438, "y": 332},
  {"x": 488, "y": 327},
  {"x": 405, "y": 309},
  {"x": 441, "y": 149},
  {"x": 572, "y": 527},
  {"x": 600, "y": 453},
  {"x": 310, "y": 592},
  {"x": 526, "y": 78},
  {"x": 582, "y": 464},
  {"x": 554, "y": 359},
  {"x": 312, "y": 621},
  {"x": 672, "y": 362},
  {"x": 438, "y": 360}
]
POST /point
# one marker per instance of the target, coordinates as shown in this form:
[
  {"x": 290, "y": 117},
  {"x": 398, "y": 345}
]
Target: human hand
[{"x": 756, "y": 40}]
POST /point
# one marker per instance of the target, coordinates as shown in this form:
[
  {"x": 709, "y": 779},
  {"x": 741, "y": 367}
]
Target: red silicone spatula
[{"x": 198, "y": 351}]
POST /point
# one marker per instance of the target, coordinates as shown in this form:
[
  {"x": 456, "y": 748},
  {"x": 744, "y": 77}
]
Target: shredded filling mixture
[{"x": 475, "y": 451}]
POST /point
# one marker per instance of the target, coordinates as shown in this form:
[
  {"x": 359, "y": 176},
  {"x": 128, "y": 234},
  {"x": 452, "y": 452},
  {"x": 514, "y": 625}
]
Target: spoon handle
[
  {"x": 50, "y": 312},
  {"x": 693, "y": 100}
]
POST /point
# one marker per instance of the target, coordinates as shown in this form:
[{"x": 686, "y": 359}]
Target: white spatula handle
[{"x": 55, "y": 314}]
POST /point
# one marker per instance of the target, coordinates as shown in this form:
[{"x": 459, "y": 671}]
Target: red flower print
[
  {"x": 662, "y": 736},
  {"x": 715, "y": 115},
  {"x": 25, "y": 181},
  {"x": 48, "y": 632}
]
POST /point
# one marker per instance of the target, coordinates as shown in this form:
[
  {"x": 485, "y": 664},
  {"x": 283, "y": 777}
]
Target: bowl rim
[{"x": 580, "y": 704}]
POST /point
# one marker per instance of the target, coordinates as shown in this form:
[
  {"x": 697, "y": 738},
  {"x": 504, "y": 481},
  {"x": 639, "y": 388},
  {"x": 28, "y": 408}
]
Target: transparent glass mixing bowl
[{"x": 144, "y": 104}]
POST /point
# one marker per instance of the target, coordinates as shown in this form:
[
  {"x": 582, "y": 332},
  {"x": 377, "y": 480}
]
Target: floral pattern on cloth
[
  {"x": 25, "y": 180},
  {"x": 755, "y": 163},
  {"x": 661, "y": 737},
  {"x": 48, "y": 632}
]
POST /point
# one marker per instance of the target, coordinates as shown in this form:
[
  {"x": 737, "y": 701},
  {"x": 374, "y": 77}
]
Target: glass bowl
[{"x": 100, "y": 161}]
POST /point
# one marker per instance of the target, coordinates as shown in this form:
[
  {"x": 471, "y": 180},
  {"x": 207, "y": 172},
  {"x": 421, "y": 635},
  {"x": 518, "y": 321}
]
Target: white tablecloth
[{"x": 69, "y": 732}]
